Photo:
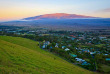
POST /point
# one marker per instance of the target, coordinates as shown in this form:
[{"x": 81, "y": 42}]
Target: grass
[
  {"x": 100, "y": 45},
  {"x": 105, "y": 68},
  {"x": 23, "y": 56}
]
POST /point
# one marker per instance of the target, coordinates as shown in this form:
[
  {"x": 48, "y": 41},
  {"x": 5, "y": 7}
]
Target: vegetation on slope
[{"x": 20, "y": 55}]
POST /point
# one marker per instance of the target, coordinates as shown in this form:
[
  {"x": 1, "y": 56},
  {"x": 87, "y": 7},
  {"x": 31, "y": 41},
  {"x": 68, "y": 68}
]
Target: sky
[{"x": 18, "y": 9}]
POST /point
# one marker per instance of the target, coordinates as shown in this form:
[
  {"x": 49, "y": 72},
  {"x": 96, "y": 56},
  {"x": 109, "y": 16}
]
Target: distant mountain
[
  {"x": 58, "y": 16},
  {"x": 62, "y": 21}
]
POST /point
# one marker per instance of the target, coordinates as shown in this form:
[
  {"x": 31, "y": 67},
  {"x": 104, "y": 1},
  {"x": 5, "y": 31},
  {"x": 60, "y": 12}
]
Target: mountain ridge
[{"x": 58, "y": 16}]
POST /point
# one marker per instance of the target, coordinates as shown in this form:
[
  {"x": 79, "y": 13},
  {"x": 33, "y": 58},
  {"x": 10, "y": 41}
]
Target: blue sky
[{"x": 17, "y": 9}]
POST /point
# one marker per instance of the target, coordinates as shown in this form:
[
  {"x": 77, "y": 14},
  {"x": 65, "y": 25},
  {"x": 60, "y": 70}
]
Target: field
[{"x": 23, "y": 56}]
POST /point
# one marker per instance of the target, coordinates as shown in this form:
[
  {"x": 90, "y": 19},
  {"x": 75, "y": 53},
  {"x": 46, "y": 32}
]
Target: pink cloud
[{"x": 106, "y": 10}]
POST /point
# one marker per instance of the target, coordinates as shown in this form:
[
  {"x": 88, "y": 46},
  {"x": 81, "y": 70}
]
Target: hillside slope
[{"x": 22, "y": 56}]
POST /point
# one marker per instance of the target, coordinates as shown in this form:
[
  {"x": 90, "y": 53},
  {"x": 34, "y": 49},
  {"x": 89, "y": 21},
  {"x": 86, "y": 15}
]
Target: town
[{"x": 87, "y": 49}]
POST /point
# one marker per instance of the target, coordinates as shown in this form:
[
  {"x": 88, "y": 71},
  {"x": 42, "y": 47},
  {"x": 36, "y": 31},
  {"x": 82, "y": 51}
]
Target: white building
[{"x": 67, "y": 49}]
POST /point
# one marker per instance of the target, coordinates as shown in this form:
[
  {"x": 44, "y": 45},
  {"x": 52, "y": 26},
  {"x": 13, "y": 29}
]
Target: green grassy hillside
[{"x": 23, "y": 56}]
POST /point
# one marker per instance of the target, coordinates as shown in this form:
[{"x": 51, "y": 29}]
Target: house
[
  {"x": 105, "y": 54},
  {"x": 101, "y": 37},
  {"x": 11, "y": 31},
  {"x": 92, "y": 53},
  {"x": 72, "y": 38},
  {"x": 73, "y": 55},
  {"x": 67, "y": 49},
  {"x": 107, "y": 59},
  {"x": 85, "y": 63},
  {"x": 63, "y": 47},
  {"x": 45, "y": 44},
  {"x": 56, "y": 45},
  {"x": 76, "y": 48},
  {"x": 79, "y": 59},
  {"x": 90, "y": 42},
  {"x": 85, "y": 50}
]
